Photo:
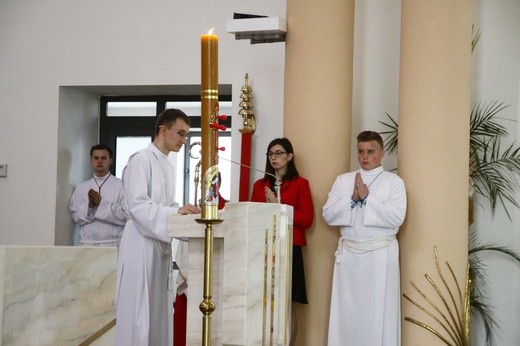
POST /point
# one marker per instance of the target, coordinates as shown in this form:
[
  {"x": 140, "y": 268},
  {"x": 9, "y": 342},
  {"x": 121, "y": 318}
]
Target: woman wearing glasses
[{"x": 282, "y": 184}]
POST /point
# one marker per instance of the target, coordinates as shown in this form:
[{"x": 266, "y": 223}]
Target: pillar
[
  {"x": 317, "y": 120},
  {"x": 434, "y": 114}
]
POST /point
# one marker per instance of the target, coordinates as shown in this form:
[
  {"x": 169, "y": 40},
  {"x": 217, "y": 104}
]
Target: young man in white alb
[
  {"x": 368, "y": 205},
  {"x": 97, "y": 205}
]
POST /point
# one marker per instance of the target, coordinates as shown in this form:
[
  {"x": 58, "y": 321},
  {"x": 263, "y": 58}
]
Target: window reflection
[{"x": 131, "y": 109}]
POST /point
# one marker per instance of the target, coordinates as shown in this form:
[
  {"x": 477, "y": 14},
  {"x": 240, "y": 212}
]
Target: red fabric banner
[{"x": 245, "y": 159}]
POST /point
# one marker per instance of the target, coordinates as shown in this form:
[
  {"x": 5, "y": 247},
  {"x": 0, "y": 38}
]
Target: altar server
[
  {"x": 97, "y": 204},
  {"x": 368, "y": 205},
  {"x": 144, "y": 307}
]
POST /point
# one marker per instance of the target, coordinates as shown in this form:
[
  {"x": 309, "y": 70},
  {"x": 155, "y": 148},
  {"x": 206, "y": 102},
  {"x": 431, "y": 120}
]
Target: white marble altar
[
  {"x": 55, "y": 295},
  {"x": 252, "y": 265}
]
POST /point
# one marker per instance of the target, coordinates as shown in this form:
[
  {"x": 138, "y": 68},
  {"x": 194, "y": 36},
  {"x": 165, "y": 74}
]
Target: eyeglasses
[
  {"x": 181, "y": 133},
  {"x": 276, "y": 154}
]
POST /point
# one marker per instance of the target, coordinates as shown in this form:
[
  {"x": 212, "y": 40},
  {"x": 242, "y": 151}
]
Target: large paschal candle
[{"x": 209, "y": 108}]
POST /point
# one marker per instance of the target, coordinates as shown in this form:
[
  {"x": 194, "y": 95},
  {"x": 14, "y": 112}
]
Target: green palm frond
[
  {"x": 501, "y": 249},
  {"x": 480, "y": 308},
  {"x": 479, "y": 287},
  {"x": 479, "y": 290},
  {"x": 483, "y": 123},
  {"x": 497, "y": 183},
  {"x": 494, "y": 170},
  {"x": 482, "y": 119},
  {"x": 391, "y": 134}
]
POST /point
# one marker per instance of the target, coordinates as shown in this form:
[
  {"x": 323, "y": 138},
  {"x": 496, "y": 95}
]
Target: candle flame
[{"x": 210, "y": 32}]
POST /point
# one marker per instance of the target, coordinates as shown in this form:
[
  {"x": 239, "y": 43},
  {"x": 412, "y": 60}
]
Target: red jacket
[
  {"x": 296, "y": 193},
  {"x": 221, "y": 202}
]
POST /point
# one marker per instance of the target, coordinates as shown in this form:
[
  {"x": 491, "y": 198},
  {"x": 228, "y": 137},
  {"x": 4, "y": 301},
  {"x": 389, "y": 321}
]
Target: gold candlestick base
[
  {"x": 209, "y": 213},
  {"x": 207, "y": 306}
]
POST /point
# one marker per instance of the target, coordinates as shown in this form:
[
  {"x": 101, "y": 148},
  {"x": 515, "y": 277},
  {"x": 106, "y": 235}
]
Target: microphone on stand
[{"x": 278, "y": 182}]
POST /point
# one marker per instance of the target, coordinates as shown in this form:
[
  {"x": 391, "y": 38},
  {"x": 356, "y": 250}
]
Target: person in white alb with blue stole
[{"x": 368, "y": 205}]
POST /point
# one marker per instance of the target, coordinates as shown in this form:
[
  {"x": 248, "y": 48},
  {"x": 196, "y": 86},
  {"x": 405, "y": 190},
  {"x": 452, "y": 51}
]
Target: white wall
[
  {"x": 496, "y": 76},
  {"x": 48, "y": 44},
  {"x": 78, "y": 128},
  {"x": 376, "y": 70}
]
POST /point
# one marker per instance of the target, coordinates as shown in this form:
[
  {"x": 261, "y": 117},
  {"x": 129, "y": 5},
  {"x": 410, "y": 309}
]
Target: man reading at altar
[{"x": 144, "y": 307}]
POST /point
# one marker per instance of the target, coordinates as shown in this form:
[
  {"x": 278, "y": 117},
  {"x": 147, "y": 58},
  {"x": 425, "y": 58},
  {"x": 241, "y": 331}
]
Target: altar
[{"x": 252, "y": 266}]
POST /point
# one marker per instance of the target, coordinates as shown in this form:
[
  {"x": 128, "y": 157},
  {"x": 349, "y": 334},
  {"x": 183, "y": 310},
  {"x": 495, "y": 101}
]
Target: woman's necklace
[
  {"x": 277, "y": 186},
  {"x": 103, "y": 183}
]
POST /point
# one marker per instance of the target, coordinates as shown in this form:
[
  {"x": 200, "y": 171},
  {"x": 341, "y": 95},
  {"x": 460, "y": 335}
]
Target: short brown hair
[
  {"x": 367, "y": 136},
  {"x": 169, "y": 117},
  {"x": 101, "y": 147}
]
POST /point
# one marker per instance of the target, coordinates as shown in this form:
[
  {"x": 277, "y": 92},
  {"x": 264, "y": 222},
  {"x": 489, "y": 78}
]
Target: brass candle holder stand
[
  {"x": 207, "y": 306},
  {"x": 209, "y": 217}
]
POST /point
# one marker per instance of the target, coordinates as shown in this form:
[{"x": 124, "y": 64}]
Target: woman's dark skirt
[{"x": 299, "y": 292}]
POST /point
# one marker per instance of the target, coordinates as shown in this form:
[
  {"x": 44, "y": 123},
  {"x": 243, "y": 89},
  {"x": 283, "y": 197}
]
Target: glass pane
[
  {"x": 126, "y": 146},
  {"x": 225, "y": 108},
  {"x": 192, "y": 108},
  {"x": 131, "y": 109}
]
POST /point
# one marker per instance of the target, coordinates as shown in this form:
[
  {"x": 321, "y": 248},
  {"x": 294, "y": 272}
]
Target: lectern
[{"x": 252, "y": 269}]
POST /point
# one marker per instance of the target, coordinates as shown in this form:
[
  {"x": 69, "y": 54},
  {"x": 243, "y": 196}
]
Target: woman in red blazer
[{"x": 283, "y": 184}]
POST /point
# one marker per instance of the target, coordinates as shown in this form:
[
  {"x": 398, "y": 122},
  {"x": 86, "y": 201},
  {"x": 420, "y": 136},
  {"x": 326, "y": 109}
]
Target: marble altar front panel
[
  {"x": 251, "y": 271},
  {"x": 55, "y": 295}
]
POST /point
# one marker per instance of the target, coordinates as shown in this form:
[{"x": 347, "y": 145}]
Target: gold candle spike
[{"x": 455, "y": 323}]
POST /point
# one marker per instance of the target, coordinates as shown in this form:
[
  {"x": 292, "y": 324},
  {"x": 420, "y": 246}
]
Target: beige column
[
  {"x": 434, "y": 112},
  {"x": 317, "y": 116}
]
